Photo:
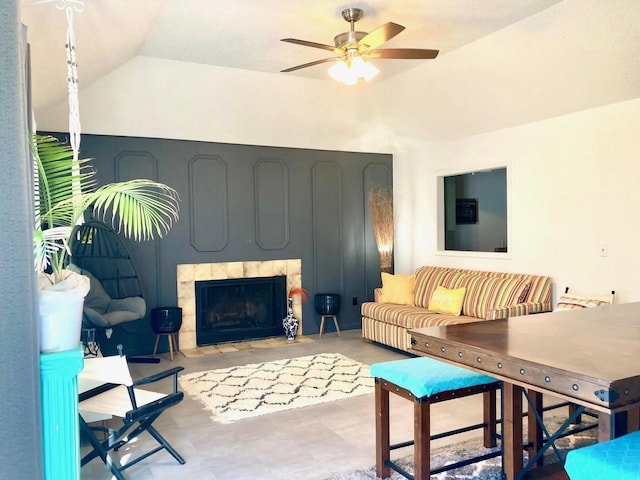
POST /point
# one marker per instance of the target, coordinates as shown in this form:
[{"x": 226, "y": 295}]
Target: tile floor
[{"x": 308, "y": 443}]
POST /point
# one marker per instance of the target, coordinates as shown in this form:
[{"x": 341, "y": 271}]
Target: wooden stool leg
[
  {"x": 490, "y": 418},
  {"x": 170, "y": 338},
  {"x": 155, "y": 347},
  {"x": 383, "y": 447},
  {"x": 175, "y": 343},
  {"x": 422, "y": 440},
  {"x": 335, "y": 321},
  {"x": 633, "y": 420},
  {"x": 322, "y": 317}
]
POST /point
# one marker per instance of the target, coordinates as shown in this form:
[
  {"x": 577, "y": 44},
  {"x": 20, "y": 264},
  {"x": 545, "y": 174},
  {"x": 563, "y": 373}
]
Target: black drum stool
[
  {"x": 166, "y": 321},
  {"x": 327, "y": 305}
]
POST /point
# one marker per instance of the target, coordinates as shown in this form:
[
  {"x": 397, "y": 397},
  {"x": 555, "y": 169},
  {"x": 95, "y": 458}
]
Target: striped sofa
[{"x": 489, "y": 296}]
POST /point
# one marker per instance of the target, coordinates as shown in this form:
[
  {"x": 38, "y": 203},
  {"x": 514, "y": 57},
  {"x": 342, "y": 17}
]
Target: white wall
[
  {"x": 574, "y": 188},
  {"x": 158, "y": 98}
]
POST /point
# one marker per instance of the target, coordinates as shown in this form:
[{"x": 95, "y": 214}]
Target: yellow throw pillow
[
  {"x": 397, "y": 289},
  {"x": 448, "y": 301}
]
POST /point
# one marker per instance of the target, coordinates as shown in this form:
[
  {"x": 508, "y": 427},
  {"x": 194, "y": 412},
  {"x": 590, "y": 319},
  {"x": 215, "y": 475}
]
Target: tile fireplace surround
[{"x": 189, "y": 274}]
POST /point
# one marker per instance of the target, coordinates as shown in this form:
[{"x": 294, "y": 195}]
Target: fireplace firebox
[{"x": 239, "y": 309}]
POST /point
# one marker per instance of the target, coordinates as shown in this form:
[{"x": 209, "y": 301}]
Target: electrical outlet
[
  {"x": 354, "y": 301},
  {"x": 604, "y": 251}
]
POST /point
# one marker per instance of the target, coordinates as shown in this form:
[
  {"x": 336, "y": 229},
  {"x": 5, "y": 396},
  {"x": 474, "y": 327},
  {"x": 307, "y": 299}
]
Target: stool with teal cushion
[
  {"x": 425, "y": 381},
  {"x": 617, "y": 459}
]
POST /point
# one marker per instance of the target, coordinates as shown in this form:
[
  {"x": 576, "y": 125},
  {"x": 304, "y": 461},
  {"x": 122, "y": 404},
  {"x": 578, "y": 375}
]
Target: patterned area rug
[
  {"x": 251, "y": 390},
  {"x": 485, "y": 470}
]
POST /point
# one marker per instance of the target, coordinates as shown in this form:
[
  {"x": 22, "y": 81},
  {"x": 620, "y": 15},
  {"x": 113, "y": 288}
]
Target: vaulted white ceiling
[
  {"x": 246, "y": 34},
  {"x": 501, "y": 62}
]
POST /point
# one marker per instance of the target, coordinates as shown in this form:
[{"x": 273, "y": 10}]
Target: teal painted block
[{"x": 59, "y": 403}]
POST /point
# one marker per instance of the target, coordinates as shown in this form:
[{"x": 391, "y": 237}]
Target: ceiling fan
[{"x": 352, "y": 48}]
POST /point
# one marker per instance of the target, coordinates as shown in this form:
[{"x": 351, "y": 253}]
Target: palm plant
[{"x": 65, "y": 189}]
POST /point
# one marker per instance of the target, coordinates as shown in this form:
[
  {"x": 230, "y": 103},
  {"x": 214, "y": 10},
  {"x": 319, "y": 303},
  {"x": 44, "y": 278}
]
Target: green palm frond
[
  {"x": 140, "y": 209},
  {"x": 65, "y": 188},
  {"x": 59, "y": 178}
]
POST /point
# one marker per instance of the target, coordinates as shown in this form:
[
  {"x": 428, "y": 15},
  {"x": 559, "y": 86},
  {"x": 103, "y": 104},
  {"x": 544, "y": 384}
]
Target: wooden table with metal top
[{"x": 589, "y": 357}]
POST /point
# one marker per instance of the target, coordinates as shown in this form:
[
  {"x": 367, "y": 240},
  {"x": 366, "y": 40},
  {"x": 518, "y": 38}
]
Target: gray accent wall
[{"x": 246, "y": 202}]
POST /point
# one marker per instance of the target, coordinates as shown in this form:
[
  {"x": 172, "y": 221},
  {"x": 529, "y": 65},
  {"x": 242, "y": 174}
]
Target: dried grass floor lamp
[{"x": 381, "y": 207}]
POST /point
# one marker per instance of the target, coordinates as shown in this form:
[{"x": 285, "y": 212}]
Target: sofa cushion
[
  {"x": 487, "y": 293},
  {"x": 427, "y": 319},
  {"x": 446, "y": 300},
  {"x": 401, "y": 315},
  {"x": 429, "y": 278},
  {"x": 397, "y": 289}
]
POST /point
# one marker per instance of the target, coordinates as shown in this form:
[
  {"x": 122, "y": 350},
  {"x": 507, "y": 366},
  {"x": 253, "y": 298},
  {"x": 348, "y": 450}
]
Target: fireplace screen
[{"x": 239, "y": 309}]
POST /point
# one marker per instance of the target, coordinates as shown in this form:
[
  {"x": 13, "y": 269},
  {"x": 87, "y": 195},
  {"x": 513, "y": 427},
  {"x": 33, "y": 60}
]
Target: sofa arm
[
  {"x": 538, "y": 307},
  {"x": 377, "y": 295}
]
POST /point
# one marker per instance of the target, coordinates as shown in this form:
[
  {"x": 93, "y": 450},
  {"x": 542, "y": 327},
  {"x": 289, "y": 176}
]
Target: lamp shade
[{"x": 349, "y": 72}]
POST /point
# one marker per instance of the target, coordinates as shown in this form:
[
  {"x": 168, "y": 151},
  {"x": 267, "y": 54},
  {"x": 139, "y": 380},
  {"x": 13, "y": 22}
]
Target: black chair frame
[{"x": 136, "y": 421}]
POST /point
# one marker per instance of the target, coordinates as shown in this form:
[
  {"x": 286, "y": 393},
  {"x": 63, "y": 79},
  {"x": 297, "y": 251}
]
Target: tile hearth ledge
[{"x": 189, "y": 273}]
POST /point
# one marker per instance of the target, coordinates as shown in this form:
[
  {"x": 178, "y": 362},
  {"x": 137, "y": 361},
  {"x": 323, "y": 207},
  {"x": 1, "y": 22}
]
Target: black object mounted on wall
[{"x": 466, "y": 211}]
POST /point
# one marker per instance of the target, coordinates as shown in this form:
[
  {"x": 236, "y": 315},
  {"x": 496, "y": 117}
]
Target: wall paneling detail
[
  {"x": 327, "y": 227},
  {"x": 208, "y": 203},
  {"x": 271, "y": 204},
  {"x": 128, "y": 165}
]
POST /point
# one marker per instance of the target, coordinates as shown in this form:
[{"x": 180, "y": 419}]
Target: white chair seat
[{"x": 117, "y": 402}]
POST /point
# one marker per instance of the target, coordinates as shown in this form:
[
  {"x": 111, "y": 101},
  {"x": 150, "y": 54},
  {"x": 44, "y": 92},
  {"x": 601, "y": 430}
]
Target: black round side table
[
  {"x": 166, "y": 321},
  {"x": 327, "y": 305}
]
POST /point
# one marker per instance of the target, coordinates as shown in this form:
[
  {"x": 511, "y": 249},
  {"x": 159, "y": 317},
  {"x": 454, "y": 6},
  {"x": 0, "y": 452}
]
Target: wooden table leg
[
  {"x": 512, "y": 435},
  {"x": 534, "y": 430}
]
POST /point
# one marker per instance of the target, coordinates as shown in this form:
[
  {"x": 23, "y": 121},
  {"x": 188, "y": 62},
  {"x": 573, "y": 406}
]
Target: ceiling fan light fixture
[
  {"x": 353, "y": 47},
  {"x": 350, "y": 73}
]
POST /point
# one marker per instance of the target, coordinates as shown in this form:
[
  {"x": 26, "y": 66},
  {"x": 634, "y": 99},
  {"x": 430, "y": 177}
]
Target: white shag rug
[{"x": 246, "y": 391}]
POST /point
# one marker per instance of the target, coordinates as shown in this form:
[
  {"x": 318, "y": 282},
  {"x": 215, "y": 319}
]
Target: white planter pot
[{"x": 60, "y": 313}]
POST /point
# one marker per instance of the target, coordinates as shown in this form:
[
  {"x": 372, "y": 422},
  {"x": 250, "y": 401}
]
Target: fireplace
[
  {"x": 190, "y": 273},
  {"x": 239, "y": 309}
]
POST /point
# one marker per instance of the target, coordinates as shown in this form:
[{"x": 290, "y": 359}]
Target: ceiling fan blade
[
  {"x": 311, "y": 64},
  {"x": 305, "y": 43},
  {"x": 380, "y": 35},
  {"x": 404, "y": 53}
]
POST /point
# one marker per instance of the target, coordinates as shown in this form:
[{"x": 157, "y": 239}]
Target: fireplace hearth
[
  {"x": 190, "y": 273},
  {"x": 239, "y": 309}
]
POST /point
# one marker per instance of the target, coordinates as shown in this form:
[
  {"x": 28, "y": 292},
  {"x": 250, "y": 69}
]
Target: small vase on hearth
[{"x": 290, "y": 322}]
